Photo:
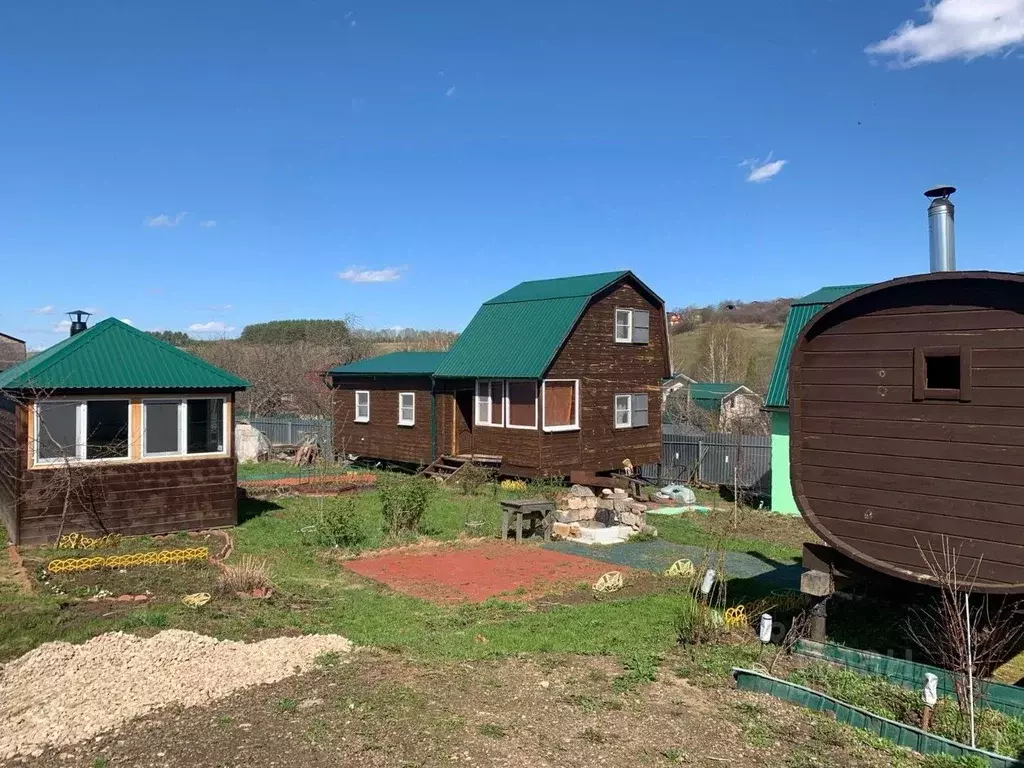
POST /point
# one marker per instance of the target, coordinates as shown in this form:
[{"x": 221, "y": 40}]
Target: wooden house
[
  {"x": 12, "y": 351},
  {"x": 906, "y": 409},
  {"x": 553, "y": 377},
  {"x": 112, "y": 430}
]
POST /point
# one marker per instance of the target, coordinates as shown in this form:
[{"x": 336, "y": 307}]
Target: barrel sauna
[{"x": 907, "y": 426}]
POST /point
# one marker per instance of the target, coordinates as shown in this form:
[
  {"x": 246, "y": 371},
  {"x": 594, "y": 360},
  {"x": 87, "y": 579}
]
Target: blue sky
[{"x": 215, "y": 164}]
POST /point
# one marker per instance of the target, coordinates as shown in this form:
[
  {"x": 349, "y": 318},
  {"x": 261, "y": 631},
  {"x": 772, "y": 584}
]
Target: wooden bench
[{"x": 534, "y": 510}]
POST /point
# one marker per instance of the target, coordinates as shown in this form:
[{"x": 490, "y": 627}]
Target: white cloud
[
  {"x": 361, "y": 275},
  {"x": 127, "y": 321},
  {"x": 957, "y": 29},
  {"x": 450, "y": 92},
  {"x": 46, "y": 310},
  {"x": 208, "y": 224},
  {"x": 214, "y": 326},
  {"x": 762, "y": 170},
  {"x": 163, "y": 220},
  {"x": 62, "y": 327}
]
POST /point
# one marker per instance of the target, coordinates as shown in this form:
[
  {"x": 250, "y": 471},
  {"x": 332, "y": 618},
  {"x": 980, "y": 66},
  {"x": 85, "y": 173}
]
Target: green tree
[{"x": 177, "y": 338}]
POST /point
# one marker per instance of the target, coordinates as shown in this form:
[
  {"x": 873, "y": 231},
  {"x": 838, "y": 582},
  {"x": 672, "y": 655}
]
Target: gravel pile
[{"x": 60, "y": 694}]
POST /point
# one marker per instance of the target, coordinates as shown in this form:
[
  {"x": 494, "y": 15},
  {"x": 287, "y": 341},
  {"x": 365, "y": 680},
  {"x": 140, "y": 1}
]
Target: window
[
  {"x": 561, "y": 405},
  {"x": 106, "y": 429},
  {"x": 632, "y": 326},
  {"x": 630, "y": 411},
  {"x": 623, "y": 409},
  {"x": 521, "y": 397},
  {"x": 205, "y": 425},
  {"x": 942, "y": 373},
  {"x": 490, "y": 403},
  {"x": 183, "y": 426},
  {"x": 362, "y": 405},
  {"x": 407, "y": 408},
  {"x": 81, "y": 429}
]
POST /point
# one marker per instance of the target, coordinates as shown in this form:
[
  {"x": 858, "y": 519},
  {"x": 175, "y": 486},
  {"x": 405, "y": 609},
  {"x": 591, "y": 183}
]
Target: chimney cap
[{"x": 940, "y": 191}]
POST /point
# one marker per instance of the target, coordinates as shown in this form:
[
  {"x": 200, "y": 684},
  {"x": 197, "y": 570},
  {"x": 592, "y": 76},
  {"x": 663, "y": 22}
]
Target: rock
[
  {"x": 250, "y": 443},
  {"x": 637, "y": 508},
  {"x": 619, "y": 492},
  {"x": 588, "y": 513},
  {"x": 633, "y": 521},
  {"x": 581, "y": 491},
  {"x": 574, "y": 502},
  {"x": 606, "y": 492},
  {"x": 620, "y": 504},
  {"x": 567, "y": 516},
  {"x": 605, "y": 517},
  {"x": 561, "y": 531},
  {"x": 650, "y": 530},
  {"x": 591, "y": 503},
  {"x": 574, "y": 530},
  {"x": 544, "y": 684},
  {"x": 604, "y": 503}
]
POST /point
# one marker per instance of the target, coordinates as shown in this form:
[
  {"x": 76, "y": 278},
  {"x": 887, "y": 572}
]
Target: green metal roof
[
  {"x": 114, "y": 355},
  {"x": 800, "y": 313},
  {"x": 394, "y": 364},
  {"x": 708, "y": 394},
  {"x": 517, "y": 334}
]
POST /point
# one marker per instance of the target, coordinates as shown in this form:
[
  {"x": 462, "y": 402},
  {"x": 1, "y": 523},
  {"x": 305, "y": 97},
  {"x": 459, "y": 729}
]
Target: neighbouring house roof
[
  {"x": 800, "y": 313},
  {"x": 710, "y": 394},
  {"x": 8, "y": 337},
  {"x": 114, "y": 355},
  {"x": 393, "y": 364},
  {"x": 517, "y": 334}
]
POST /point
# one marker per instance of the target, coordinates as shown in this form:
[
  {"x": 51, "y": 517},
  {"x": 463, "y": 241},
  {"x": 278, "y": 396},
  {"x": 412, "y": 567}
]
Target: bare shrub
[{"x": 249, "y": 575}]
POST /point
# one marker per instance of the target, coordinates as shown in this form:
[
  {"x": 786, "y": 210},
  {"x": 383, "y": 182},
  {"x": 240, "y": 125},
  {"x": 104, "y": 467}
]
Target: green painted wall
[{"x": 782, "y": 491}]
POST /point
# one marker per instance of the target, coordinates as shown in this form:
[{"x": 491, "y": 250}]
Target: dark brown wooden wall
[
  {"x": 606, "y": 369},
  {"x": 133, "y": 498},
  {"x": 382, "y": 437},
  {"x": 879, "y": 474},
  {"x": 8, "y": 466}
]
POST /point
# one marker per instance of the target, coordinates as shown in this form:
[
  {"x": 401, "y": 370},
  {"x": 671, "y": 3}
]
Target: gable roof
[
  {"x": 710, "y": 394},
  {"x": 114, "y": 355},
  {"x": 800, "y": 313},
  {"x": 517, "y": 334},
  {"x": 8, "y": 337},
  {"x": 393, "y": 364}
]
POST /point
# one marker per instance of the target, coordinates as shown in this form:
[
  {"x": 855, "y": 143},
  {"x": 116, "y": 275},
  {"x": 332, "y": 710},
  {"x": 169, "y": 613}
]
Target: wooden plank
[
  {"x": 929, "y": 412},
  {"x": 1012, "y": 456},
  {"x": 998, "y": 397},
  {"x": 979, "y": 434},
  {"x": 911, "y": 321},
  {"x": 889, "y": 377},
  {"x": 870, "y": 359},
  {"x": 857, "y": 342},
  {"x": 937, "y": 469}
]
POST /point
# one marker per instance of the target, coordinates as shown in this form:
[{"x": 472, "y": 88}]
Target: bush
[
  {"x": 338, "y": 523},
  {"x": 248, "y": 575},
  {"x": 698, "y": 623},
  {"x": 404, "y": 502},
  {"x": 472, "y": 477}
]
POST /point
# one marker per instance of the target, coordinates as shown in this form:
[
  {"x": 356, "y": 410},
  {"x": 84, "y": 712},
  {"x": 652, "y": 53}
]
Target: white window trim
[
  {"x": 478, "y": 398},
  {"x": 81, "y": 426},
  {"x": 507, "y": 411},
  {"x": 576, "y": 417},
  {"x": 629, "y": 412},
  {"x": 403, "y": 422},
  {"x": 183, "y": 427},
  {"x": 615, "y": 330},
  {"x": 358, "y": 418}
]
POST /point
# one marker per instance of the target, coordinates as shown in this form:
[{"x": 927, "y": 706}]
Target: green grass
[{"x": 680, "y": 530}]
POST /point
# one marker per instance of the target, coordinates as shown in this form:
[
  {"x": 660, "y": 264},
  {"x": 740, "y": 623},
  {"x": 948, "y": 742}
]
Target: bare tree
[{"x": 723, "y": 352}]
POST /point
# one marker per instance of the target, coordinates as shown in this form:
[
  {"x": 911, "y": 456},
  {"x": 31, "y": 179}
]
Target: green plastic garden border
[
  {"x": 903, "y": 735},
  {"x": 1008, "y": 699}
]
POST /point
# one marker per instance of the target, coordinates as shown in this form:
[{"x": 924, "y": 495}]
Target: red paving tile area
[{"x": 477, "y": 573}]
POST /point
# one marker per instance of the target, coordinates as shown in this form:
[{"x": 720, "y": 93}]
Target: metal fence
[
  {"x": 285, "y": 430},
  {"x": 714, "y": 458}
]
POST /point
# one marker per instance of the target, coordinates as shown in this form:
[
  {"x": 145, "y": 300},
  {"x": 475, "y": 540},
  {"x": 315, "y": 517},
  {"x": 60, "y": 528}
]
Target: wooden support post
[
  {"x": 519, "y": 526},
  {"x": 504, "y": 523},
  {"x": 819, "y": 614}
]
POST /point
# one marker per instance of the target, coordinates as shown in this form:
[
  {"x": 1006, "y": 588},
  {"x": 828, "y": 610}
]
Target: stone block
[
  {"x": 560, "y": 530},
  {"x": 587, "y": 513},
  {"x": 603, "y": 503},
  {"x": 575, "y": 502},
  {"x": 619, "y": 492},
  {"x": 567, "y": 516},
  {"x": 816, "y": 583},
  {"x": 633, "y": 521},
  {"x": 605, "y": 516},
  {"x": 620, "y": 504},
  {"x": 606, "y": 492},
  {"x": 581, "y": 491},
  {"x": 591, "y": 503},
  {"x": 574, "y": 530}
]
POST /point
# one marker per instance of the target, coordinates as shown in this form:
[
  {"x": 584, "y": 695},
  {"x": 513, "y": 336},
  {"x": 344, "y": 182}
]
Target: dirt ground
[
  {"x": 384, "y": 710},
  {"x": 476, "y": 573}
]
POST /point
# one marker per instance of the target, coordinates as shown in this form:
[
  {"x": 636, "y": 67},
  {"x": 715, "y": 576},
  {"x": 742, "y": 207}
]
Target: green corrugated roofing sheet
[
  {"x": 708, "y": 394},
  {"x": 394, "y": 364},
  {"x": 516, "y": 335},
  {"x": 799, "y": 315},
  {"x": 113, "y": 355}
]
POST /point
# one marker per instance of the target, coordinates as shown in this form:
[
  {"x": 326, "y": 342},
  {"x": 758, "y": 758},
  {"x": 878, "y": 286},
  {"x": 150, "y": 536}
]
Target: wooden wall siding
[
  {"x": 157, "y": 497},
  {"x": 879, "y": 475},
  {"x": 382, "y": 437},
  {"x": 8, "y": 467},
  {"x": 606, "y": 369}
]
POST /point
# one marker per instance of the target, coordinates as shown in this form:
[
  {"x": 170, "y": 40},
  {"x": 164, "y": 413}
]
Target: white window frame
[
  {"x": 358, "y": 418},
  {"x": 629, "y": 334},
  {"x": 407, "y": 422},
  {"x": 478, "y": 399},
  {"x": 81, "y": 427},
  {"x": 576, "y": 416},
  {"x": 507, "y": 412},
  {"x": 629, "y": 412},
  {"x": 183, "y": 427}
]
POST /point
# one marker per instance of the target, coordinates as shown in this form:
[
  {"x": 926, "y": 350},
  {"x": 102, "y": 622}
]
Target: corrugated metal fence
[
  {"x": 712, "y": 458},
  {"x": 284, "y": 430}
]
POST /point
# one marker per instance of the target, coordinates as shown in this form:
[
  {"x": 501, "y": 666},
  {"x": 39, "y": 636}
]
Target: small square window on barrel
[{"x": 942, "y": 373}]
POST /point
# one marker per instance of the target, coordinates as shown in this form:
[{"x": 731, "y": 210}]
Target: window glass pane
[
  {"x": 483, "y": 402},
  {"x": 106, "y": 429},
  {"x": 559, "y": 403},
  {"x": 205, "y": 420},
  {"x": 161, "y": 427},
  {"x": 639, "y": 411},
  {"x": 57, "y": 426},
  {"x": 497, "y": 402},
  {"x": 406, "y": 407},
  {"x": 363, "y": 405},
  {"x": 622, "y": 324},
  {"x": 622, "y": 410},
  {"x": 522, "y": 404}
]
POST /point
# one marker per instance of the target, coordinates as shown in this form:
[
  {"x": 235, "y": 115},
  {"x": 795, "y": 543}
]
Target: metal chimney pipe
[
  {"x": 78, "y": 320},
  {"x": 941, "y": 241}
]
